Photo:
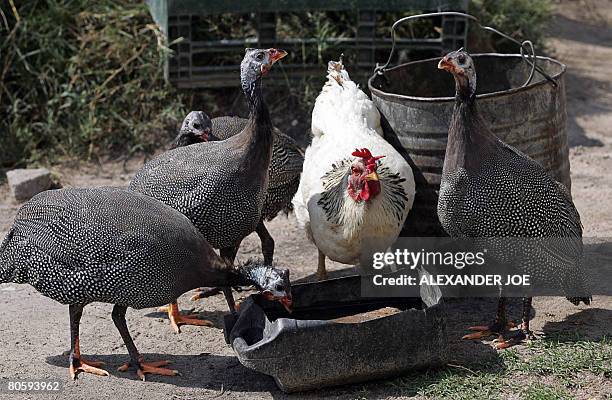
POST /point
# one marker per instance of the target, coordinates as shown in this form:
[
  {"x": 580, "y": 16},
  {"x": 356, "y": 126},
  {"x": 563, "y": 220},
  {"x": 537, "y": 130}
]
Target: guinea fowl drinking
[
  {"x": 78, "y": 246},
  {"x": 356, "y": 190},
  {"x": 285, "y": 165},
  {"x": 220, "y": 186},
  {"x": 491, "y": 190}
]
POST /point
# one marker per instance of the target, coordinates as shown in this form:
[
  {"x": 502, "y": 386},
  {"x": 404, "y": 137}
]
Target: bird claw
[
  {"x": 202, "y": 293},
  {"x": 515, "y": 338},
  {"x": 176, "y": 322},
  {"x": 78, "y": 366},
  {"x": 487, "y": 330},
  {"x": 176, "y": 319},
  {"x": 477, "y": 335},
  {"x": 153, "y": 367}
]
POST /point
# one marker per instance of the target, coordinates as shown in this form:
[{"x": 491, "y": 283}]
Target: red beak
[
  {"x": 276, "y": 54},
  {"x": 287, "y": 302},
  {"x": 446, "y": 64}
]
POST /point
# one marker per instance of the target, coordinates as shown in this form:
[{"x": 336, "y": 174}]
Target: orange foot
[
  {"x": 485, "y": 331},
  {"x": 203, "y": 293},
  {"x": 511, "y": 339},
  {"x": 176, "y": 319},
  {"x": 152, "y": 367},
  {"x": 91, "y": 367}
]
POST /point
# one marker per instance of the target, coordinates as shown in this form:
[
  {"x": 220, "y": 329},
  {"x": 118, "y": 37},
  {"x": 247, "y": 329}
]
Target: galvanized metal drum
[{"x": 522, "y": 99}]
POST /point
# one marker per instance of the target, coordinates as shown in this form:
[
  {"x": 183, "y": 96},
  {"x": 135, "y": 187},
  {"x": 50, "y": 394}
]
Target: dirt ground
[{"x": 36, "y": 330}]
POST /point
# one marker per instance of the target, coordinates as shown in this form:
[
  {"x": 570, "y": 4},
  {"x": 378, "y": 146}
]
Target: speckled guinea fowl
[
  {"x": 491, "y": 190},
  {"x": 79, "y": 246},
  {"x": 285, "y": 165},
  {"x": 220, "y": 186}
]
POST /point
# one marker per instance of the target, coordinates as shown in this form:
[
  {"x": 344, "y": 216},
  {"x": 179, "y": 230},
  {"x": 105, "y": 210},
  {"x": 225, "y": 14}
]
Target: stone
[{"x": 27, "y": 183}]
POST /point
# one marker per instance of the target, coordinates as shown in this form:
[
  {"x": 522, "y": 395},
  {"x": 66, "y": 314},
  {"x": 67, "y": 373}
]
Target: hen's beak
[
  {"x": 372, "y": 176},
  {"x": 445, "y": 64},
  {"x": 287, "y": 302},
  {"x": 276, "y": 55}
]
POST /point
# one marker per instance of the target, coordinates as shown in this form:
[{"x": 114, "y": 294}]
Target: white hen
[{"x": 350, "y": 202}]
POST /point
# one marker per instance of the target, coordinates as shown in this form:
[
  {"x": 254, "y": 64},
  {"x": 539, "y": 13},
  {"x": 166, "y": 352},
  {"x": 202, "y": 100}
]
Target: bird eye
[
  {"x": 259, "y": 56},
  {"x": 279, "y": 287},
  {"x": 461, "y": 59},
  {"x": 197, "y": 126}
]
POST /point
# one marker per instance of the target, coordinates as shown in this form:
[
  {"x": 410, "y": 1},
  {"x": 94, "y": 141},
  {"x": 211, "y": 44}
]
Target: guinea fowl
[
  {"x": 351, "y": 202},
  {"x": 220, "y": 186},
  {"x": 196, "y": 128},
  {"x": 491, "y": 190},
  {"x": 285, "y": 165},
  {"x": 78, "y": 246}
]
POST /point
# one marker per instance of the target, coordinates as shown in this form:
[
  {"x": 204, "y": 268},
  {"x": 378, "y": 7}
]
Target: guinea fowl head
[
  {"x": 460, "y": 64},
  {"x": 363, "y": 183},
  {"x": 256, "y": 63},
  {"x": 273, "y": 283},
  {"x": 196, "y": 128}
]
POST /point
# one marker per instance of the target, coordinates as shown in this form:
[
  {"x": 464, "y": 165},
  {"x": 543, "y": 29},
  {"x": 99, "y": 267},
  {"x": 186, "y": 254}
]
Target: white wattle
[{"x": 344, "y": 119}]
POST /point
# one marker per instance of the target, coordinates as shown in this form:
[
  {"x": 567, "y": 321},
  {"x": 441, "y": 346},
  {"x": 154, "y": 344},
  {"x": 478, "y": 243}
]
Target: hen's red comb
[{"x": 367, "y": 156}]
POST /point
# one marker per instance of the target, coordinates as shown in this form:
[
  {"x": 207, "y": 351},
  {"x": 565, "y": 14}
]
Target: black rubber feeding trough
[{"x": 334, "y": 336}]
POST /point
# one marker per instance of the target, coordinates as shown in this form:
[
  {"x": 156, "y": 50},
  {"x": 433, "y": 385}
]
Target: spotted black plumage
[
  {"x": 108, "y": 245},
  {"x": 284, "y": 172},
  {"x": 491, "y": 190},
  {"x": 220, "y": 186},
  {"x": 79, "y": 246},
  {"x": 285, "y": 165}
]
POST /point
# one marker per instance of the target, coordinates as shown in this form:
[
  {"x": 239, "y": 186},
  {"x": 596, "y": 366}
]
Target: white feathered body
[{"x": 345, "y": 119}]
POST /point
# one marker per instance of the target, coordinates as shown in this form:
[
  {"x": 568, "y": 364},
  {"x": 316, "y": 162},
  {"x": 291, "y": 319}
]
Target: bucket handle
[{"x": 529, "y": 58}]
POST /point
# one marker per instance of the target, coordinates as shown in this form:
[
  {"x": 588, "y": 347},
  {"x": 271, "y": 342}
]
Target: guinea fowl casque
[
  {"x": 491, "y": 190},
  {"x": 351, "y": 202},
  {"x": 79, "y": 246},
  {"x": 285, "y": 165},
  {"x": 196, "y": 128},
  {"x": 220, "y": 186}
]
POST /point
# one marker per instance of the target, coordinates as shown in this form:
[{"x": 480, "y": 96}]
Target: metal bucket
[{"x": 523, "y": 103}]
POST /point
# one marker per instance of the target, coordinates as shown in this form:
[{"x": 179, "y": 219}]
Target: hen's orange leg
[{"x": 77, "y": 364}]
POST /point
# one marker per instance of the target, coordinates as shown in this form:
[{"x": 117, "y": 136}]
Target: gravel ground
[{"x": 36, "y": 330}]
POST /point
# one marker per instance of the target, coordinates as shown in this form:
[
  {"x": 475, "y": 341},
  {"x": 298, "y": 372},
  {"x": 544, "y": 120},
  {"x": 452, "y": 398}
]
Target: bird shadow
[
  {"x": 204, "y": 371},
  {"x": 591, "y": 324}
]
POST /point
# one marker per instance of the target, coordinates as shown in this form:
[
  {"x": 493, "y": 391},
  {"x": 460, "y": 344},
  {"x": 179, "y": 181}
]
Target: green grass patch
[
  {"x": 539, "y": 391},
  {"x": 82, "y": 79},
  {"x": 564, "y": 360},
  {"x": 454, "y": 383}
]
